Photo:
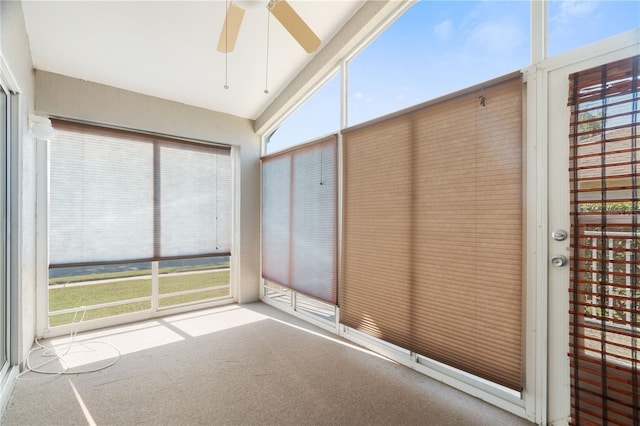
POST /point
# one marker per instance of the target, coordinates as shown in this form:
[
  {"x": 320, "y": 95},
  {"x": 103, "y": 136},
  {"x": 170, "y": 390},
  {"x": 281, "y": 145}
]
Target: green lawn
[
  {"x": 134, "y": 273},
  {"x": 96, "y": 293}
]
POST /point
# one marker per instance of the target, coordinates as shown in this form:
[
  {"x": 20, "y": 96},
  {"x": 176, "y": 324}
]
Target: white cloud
[
  {"x": 577, "y": 8},
  {"x": 496, "y": 36},
  {"x": 444, "y": 30},
  {"x": 359, "y": 96}
]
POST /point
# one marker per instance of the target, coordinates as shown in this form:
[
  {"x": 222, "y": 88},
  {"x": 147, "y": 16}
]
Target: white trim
[
  {"x": 328, "y": 326},
  {"x": 615, "y": 46},
  {"x": 541, "y": 292},
  {"x": 13, "y": 249},
  {"x": 6, "y": 76},
  {"x": 42, "y": 240},
  {"x": 193, "y": 291},
  {"x": 6, "y": 385},
  {"x": 236, "y": 193},
  {"x": 539, "y": 35},
  {"x": 558, "y": 279},
  {"x": 534, "y": 188},
  {"x": 294, "y": 107},
  {"x": 155, "y": 286},
  {"x": 379, "y": 29},
  {"x": 344, "y": 91}
]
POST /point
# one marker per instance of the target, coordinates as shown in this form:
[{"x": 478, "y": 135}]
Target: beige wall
[
  {"x": 17, "y": 72},
  {"x": 67, "y": 97}
]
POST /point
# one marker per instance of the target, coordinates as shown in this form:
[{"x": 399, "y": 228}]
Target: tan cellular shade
[
  {"x": 299, "y": 219},
  {"x": 605, "y": 231},
  {"x": 432, "y": 244}
]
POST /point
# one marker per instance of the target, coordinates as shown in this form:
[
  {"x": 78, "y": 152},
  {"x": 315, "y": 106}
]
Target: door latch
[{"x": 559, "y": 235}]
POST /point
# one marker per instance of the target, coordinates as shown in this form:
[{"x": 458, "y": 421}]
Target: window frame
[
  {"x": 11, "y": 200},
  {"x": 42, "y": 310},
  {"x": 538, "y": 400}
]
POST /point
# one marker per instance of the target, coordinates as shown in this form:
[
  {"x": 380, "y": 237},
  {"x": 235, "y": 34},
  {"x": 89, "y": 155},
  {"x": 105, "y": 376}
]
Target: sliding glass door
[{"x": 4, "y": 226}]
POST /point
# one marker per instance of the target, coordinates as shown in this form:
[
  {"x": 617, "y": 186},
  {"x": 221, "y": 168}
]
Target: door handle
[{"x": 559, "y": 260}]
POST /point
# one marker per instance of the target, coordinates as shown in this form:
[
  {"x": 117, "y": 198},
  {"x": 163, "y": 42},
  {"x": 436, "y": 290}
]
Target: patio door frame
[{"x": 556, "y": 92}]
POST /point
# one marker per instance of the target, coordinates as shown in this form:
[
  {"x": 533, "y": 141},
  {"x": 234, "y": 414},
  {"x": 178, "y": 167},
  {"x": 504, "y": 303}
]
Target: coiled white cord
[{"x": 59, "y": 356}]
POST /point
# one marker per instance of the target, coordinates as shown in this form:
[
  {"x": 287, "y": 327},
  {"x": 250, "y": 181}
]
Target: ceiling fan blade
[
  {"x": 293, "y": 23},
  {"x": 230, "y": 28}
]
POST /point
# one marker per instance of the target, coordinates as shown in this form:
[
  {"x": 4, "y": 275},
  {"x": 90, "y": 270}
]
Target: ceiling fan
[{"x": 283, "y": 12}]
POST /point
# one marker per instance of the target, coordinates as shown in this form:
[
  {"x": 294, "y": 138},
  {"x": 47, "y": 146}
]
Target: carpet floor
[{"x": 233, "y": 365}]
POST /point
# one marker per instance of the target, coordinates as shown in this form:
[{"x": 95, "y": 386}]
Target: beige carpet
[{"x": 237, "y": 365}]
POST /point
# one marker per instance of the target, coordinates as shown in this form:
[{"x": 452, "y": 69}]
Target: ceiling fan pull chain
[
  {"x": 266, "y": 73},
  {"x": 226, "y": 43}
]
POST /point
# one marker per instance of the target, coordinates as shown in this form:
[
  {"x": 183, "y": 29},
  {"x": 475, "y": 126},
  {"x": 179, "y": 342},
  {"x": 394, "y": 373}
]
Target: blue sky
[{"x": 438, "y": 47}]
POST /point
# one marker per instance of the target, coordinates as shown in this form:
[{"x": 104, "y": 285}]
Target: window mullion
[{"x": 155, "y": 286}]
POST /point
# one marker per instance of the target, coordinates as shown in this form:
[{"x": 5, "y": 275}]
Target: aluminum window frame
[
  {"x": 42, "y": 309},
  {"x": 12, "y": 199}
]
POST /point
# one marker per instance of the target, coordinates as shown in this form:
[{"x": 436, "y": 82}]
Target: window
[
  {"x": 136, "y": 223},
  {"x": 574, "y": 24},
  {"x": 299, "y": 219},
  {"x": 435, "y": 48},
  {"x": 427, "y": 206},
  {"x": 318, "y": 116}
]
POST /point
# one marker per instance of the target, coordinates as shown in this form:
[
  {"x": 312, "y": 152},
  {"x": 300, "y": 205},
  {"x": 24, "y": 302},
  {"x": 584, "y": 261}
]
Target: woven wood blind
[
  {"x": 605, "y": 293},
  {"x": 299, "y": 219},
  {"x": 432, "y": 243},
  {"x": 118, "y": 196}
]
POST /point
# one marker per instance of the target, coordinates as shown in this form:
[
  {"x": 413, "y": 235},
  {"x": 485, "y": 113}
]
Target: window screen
[
  {"x": 121, "y": 196},
  {"x": 299, "y": 219}
]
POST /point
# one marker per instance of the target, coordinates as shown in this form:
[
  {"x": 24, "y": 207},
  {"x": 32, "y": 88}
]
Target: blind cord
[
  {"x": 635, "y": 211},
  {"x": 604, "y": 272},
  {"x": 321, "y": 167}
]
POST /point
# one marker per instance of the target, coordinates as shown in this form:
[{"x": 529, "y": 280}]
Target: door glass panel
[{"x": 605, "y": 272}]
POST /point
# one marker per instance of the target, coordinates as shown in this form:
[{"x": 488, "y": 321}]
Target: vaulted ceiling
[{"x": 167, "y": 49}]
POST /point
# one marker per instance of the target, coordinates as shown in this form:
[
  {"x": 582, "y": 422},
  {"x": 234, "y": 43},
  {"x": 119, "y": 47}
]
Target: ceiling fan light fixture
[{"x": 251, "y": 4}]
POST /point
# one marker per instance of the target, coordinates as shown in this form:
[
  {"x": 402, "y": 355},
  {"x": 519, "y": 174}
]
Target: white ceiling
[{"x": 167, "y": 49}]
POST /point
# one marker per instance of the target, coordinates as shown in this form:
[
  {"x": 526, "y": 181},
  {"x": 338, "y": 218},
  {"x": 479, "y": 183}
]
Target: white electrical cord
[{"x": 59, "y": 356}]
